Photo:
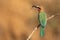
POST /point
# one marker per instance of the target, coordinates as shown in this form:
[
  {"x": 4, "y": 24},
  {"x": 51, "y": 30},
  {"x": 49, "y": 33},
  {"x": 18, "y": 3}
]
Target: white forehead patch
[{"x": 37, "y": 6}]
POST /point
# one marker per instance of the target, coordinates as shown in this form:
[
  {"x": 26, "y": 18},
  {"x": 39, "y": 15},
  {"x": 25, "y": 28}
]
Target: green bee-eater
[{"x": 42, "y": 20}]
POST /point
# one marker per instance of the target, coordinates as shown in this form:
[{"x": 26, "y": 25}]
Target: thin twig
[
  {"x": 32, "y": 33},
  {"x": 51, "y": 17},
  {"x": 38, "y": 27}
]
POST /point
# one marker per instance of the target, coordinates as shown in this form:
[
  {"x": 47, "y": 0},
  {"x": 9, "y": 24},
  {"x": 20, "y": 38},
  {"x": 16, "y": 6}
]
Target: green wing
[
  {"x": 42, "y": 18},
  {"x": 42, "y": 21}
]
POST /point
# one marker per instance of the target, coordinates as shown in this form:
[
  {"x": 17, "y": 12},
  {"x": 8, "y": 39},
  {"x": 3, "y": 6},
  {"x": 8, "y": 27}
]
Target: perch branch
[{"x": 38, "y": 27}]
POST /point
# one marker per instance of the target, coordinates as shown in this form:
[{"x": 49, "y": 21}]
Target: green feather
[
  {"x": 42, "y": 18},
  {"x": 42, "y": 32}
]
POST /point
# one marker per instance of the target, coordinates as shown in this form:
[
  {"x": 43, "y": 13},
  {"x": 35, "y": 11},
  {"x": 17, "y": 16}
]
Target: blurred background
[{"x": 18, "y": 19}]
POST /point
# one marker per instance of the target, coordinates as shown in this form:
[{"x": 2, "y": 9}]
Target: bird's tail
[{"x": 42, "y": 32}]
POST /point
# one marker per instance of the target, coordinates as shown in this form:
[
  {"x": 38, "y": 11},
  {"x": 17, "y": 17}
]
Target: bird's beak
[{"x": 38, "y": 8}]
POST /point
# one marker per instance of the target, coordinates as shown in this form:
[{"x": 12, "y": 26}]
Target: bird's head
[{"x": 38, "y": 8}]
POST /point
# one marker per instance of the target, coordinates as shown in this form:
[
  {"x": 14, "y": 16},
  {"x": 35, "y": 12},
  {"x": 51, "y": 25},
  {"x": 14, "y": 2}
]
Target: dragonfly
[{"x": 42, "y": 18}]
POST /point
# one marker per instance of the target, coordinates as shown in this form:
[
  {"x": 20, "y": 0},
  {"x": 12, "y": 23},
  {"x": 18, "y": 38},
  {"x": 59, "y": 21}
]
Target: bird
[{"x": 42, "y": 19}]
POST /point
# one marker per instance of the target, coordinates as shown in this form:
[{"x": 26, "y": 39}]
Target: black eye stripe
[{"x": 36, "y": 7}]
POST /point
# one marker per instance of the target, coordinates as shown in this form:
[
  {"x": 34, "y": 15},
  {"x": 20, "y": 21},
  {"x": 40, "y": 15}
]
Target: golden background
[{"x": 18, "y": 19}]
